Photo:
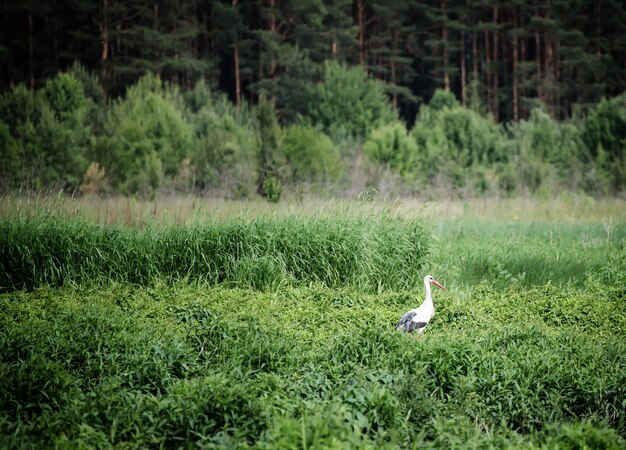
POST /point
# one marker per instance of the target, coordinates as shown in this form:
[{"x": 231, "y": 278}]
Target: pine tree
[{"x": 389, "y": 41}]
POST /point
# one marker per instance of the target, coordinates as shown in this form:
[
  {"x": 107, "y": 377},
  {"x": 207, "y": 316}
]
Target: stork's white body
[{"x": 417, "y": 319}]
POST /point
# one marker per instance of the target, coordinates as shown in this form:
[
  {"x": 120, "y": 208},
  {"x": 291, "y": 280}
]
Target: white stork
[{"x": 418, "y": 318}]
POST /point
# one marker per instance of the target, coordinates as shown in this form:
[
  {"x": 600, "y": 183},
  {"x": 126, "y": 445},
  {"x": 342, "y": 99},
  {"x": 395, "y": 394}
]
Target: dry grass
[{"x": 131, "y": 211}]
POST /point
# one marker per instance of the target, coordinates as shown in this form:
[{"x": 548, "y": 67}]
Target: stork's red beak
[{"x": 436, "y": 283}]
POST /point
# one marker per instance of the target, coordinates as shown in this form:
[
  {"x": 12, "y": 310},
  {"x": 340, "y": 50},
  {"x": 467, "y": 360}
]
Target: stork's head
[{"x": 428, "y": 279}]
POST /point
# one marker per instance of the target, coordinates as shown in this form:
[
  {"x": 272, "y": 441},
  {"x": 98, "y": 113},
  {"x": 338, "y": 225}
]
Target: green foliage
[
  {"x": 270, "y": 157},
  {"x": 210, "y": 366},
  {"x": 311, "y": 155},
  {"x": 542, "y": 152},
  {"x": 65, "y": 95},
  {"x": 390, "y": 145},
  {"x": 226, "y": 144},
  {"x": 145, "y": 140},
  {"x": 454, "y": 143},
  {"x": 526, "y": 349},
  {"x": 272, "y": 189},
  {"x": 604, "y": 135},
  {"x": 443, "y": 100},
  {"x": 348, "y": 100},
  {"x": 10, "y": 170},
  {"x": 527, "y": 254},
  {"x": 90, "y": 82},
  {"x": 17, "y": 106},
  {"x": 369, "y": 253},
  {"x": 50, "y": 131}
]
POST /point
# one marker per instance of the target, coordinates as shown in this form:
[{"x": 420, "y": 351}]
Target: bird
[{"x": 418, "y": 318}]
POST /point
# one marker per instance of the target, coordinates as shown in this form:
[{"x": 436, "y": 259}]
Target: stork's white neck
[{"x": 427, "y": 288}]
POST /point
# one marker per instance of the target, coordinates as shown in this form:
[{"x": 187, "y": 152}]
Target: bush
[
  {"x": 311, "y": 155},
  {"x": 453, "y": 142},
  {"x": 348, "y": 100},
  {"x": 65, "y": 95},
  {"x": 391, "y": 145},
  {"x": 18, "y": 106},
  {"x": 50, "y": 133},
  {"x": 271, "y": 158},
  {"x": 146, "y": 138},
  {"x": 604, "y": 135},
  {"x": 226, "y": 144},
  {"x": 543, "y": 153},
  {"x": 10, "y": 171}
]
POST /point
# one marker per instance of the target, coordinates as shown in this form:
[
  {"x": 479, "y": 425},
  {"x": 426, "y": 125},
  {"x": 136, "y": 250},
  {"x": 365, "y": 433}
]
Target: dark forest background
[{"x": 238, "y": 98}]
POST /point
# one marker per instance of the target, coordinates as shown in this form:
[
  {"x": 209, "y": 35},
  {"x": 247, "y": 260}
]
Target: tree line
[
  {"x": 506, "y": 55},
  {"x": 242, "y": 97},
  {"x": 349, "y": 138}
]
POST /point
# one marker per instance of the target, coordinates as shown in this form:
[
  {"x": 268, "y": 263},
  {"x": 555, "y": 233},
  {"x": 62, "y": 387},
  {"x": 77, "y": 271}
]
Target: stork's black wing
[
  {"x": 414, "y": 325},
  {"x": 405, "y": 319},
  {"x": 407, "y": 323}
]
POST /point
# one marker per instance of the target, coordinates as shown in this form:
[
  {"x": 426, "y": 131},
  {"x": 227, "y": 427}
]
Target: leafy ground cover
[{"x": 527, "y": 350}]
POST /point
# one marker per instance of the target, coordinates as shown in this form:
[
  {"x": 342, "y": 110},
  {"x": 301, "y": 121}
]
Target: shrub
[
  {"x": 543, "y": 152},
  {"x": 64, "y": 94},
  {"x": 452, "y": 142},
  {"x": 145, "y": 139},
  {"x": 18, "y": 106},
  {"x": 226, "y": 143},
  {"x": 348, "y": 100},
  {"x": 10, "y": 170},
  {"x": 270, "y": 155},
  {"x": 311, "y": 155},
  {"x": 604, "y": 135},
  {"x": 391, "y": 145}
]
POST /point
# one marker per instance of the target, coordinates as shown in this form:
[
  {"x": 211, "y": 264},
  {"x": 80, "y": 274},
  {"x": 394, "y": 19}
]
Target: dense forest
[{"x": 241, "y": 97}]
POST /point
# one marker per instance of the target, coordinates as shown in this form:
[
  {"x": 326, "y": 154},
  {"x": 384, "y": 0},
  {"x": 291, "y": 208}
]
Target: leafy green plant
[
  {"x": 311, "y": 155},
  {"x": 452, "y": 142},
  {"x": 390, "y": 145},
  {"x": 348, "y": 100},
  {"x": 145, "y": 139},
  {"x": 604, "y": 135}
]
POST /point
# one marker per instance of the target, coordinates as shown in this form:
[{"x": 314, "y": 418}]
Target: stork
[{"x": 418, "y": 318}]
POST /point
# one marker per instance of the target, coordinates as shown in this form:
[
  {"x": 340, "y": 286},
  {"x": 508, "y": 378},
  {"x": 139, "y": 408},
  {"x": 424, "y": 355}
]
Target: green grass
[
  {"x": 528, "y": 254},
  {"x": 371, "y": 253},
  {"x": 137, "y": 367},
  {"x": 140, "y": 347}
]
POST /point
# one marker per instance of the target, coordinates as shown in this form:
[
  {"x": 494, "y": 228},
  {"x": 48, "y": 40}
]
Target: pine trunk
[
  {"x": 361, "y": 19},
  {"x": 463, "y": 70},
  {"x": 538, "y": 63},
  {"x": 55, "y": 39},
  {"x": 474, "y": 65},
  {"x": 548, "y": 71},
  {"x": 392, "y": 63},
  {"x": 272, "y": 27},
  {"x": 446, "y": 54},
  {"x": 495, "y": 108},
  {"x": 523, "y": 43},
  {"x": 9, "y": 55},
  {"x": 488, "y": 69},
  {"x": 31, "y": 39},
  {"x": 514, "y": 70},
  {"x": 236, "y": 64},
  {"x": 104, "y": 55}
]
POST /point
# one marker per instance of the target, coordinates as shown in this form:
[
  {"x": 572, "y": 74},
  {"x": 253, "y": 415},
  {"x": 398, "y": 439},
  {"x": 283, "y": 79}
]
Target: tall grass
[
  {"x": 370, "y": 253},
  {"x": 528, "y": 254}
]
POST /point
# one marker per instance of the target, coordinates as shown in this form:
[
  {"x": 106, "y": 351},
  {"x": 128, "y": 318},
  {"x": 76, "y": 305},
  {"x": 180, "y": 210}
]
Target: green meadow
[{"x": 191, "y": 323}]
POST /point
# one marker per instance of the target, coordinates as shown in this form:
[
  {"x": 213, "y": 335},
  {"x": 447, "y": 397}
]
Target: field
[{"x": 193, "y": 323}]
